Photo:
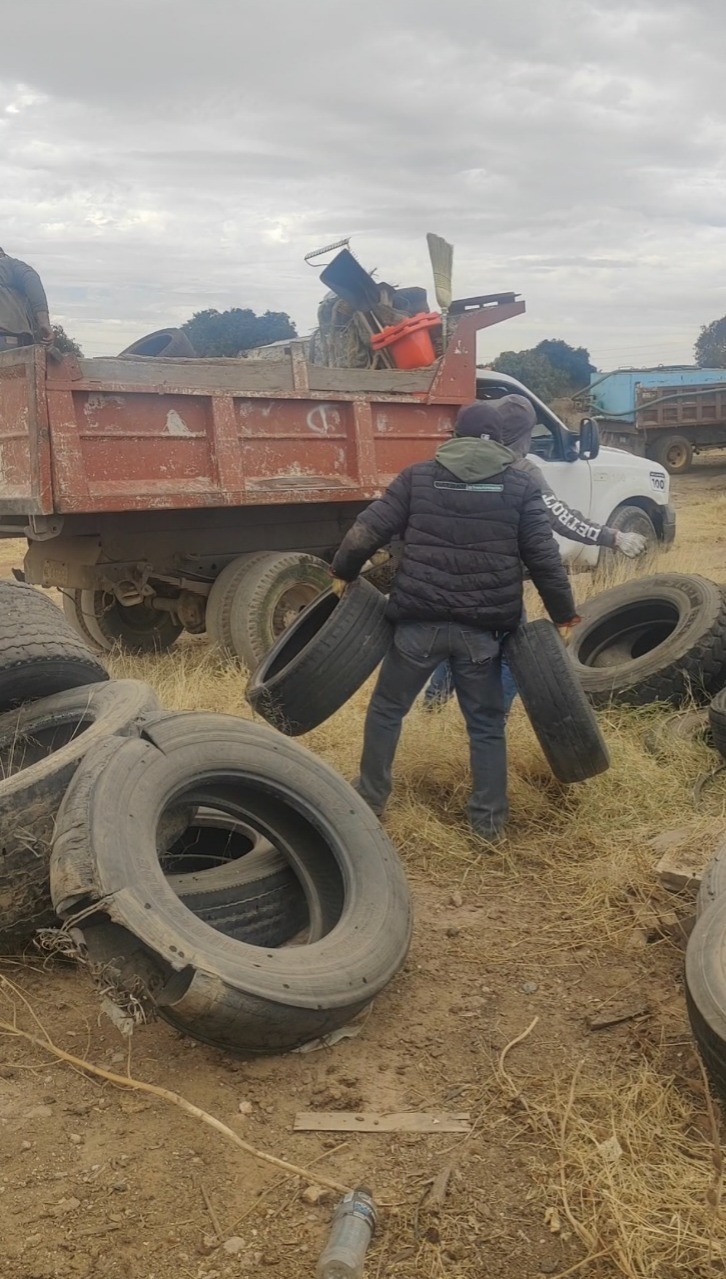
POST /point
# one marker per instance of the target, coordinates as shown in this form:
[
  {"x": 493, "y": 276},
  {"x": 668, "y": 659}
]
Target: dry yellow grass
[{"x": 651, "y": 1211}]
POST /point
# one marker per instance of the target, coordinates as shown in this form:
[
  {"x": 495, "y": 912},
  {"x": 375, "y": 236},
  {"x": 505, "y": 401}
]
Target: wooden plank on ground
[{"x": 372, "y": 1121}]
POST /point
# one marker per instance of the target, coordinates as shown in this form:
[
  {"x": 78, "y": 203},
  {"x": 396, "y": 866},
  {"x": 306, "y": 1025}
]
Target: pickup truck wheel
[
  {"x": 138, "y": 628},
  {"x": 40, "y": 653},
  {"x": 668, "y": 632},
  {"x": 674, "y": 452},
  {"x": 317, "y": 665},
  {"x": 267, "y": 598},
  {"x": 627, "y": 519},
  {"x": 559, "y": 712}
]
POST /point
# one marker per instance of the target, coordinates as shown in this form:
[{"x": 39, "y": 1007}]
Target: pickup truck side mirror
[{"x": 589, "y": 439}]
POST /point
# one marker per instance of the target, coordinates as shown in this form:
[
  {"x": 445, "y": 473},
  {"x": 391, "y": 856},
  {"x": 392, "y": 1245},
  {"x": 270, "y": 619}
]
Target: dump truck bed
[{"x": 125, "y": 434}]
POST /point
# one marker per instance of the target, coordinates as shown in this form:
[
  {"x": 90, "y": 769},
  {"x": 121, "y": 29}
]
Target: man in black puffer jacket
[{"x": 469, "y": 520}]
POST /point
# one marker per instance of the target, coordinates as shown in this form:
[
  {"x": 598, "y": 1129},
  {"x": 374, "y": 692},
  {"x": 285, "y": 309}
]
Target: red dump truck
[{"x": 162, "y": 495}]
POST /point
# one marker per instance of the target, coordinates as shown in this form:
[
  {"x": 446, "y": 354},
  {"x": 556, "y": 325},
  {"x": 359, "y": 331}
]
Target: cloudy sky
[{"x": 159, "y": 158}]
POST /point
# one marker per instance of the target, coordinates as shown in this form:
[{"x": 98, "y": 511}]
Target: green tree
[
  {"x": 535, "y": 371},
  {"x": 573, "y": 361},
  {"x": 710, "y": 348},
  {"x": 64, "y": 343},
  {"x": 226, "y": 333}
]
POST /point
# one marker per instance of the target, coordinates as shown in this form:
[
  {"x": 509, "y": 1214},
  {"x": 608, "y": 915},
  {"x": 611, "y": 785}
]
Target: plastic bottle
[{"x": 354, "y": 1222}]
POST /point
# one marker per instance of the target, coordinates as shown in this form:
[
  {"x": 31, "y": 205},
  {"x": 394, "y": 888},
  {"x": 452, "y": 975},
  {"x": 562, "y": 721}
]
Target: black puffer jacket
[{"x": 465, "y": 540}]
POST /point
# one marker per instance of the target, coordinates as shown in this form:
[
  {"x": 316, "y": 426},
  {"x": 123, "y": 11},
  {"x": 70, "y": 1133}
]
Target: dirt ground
[{"x": 590, "y": 1150}]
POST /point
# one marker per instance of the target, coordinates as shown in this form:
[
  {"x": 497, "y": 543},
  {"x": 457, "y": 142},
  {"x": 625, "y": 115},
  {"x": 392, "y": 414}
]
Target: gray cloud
[{"x": 158, "y": 159}]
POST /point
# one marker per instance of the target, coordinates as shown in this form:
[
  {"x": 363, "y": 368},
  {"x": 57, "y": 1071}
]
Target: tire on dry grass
[
  {"x": 559, "y": 712},
  {"x": 41, "y": 746},
  {"x": 40, "y": 653},
  {"x": 242, "y": 998},
  {"x": 717, "y": 722},
  {"x": 705, "y": 982},
  {"x": 322, "y": 659},
  {"x": 657, "y": 639}
]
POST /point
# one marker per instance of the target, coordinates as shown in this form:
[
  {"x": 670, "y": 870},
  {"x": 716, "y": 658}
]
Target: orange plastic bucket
[{"x": 410, "y": 341}]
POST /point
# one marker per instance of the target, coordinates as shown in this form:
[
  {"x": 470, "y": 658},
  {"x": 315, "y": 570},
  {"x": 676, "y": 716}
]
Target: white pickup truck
[{"x": 608, "y": 486}]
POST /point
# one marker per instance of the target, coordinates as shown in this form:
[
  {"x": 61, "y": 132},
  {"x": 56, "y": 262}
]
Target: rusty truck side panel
[{"x": 131, "y": 434}]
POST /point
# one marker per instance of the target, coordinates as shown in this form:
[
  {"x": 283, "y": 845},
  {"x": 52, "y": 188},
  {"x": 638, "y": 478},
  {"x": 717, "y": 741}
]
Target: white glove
[{"x": 631, "y": 544}]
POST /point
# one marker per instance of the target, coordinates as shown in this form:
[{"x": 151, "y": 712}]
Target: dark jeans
[
  {"x": 441, "y": 684},
  {"x": 417, "y": 649}
]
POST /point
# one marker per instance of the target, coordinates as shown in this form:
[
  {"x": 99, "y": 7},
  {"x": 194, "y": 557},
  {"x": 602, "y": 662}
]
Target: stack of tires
[{"x": 211, "y": 872}]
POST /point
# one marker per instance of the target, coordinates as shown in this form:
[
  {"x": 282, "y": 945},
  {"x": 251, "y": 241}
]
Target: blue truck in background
[{"x": 666, "y": 414}]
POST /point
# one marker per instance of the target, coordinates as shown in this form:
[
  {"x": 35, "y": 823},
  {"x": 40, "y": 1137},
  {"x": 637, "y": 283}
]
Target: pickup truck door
[{"x": 571, "y": 481}]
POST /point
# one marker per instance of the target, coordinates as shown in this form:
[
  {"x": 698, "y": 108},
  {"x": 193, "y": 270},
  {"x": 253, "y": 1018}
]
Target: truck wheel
[
  {"x": 559, "y": 712},
  {"x": 267, "y": 599},
  {"x": 627, "y": 519},
  {"x": 674, "y": 452},
  {"x": 138, "y": 628},
  {"x": 219, "y": 601},
  {"x": 74, "y": 612},
  {"x": 322, "y": 660},
  {"x": 657, "y": 639}
]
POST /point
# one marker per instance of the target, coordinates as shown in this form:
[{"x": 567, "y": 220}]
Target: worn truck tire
[
  {"x": 243, "y": 998},
  {"x": 558, "y": 710},
  {"x": 136, "y": 628},
  {"x": 236, "y": 881},
  {"x": 41, "y": 746},
  {"x": 268, "y": 598},
  {"x": 671, "y": 731},
  {"x": 219, "y": 601},
  {"x": 717, "y": 722},
  {"x": 322, "y": 659},
  {"x": 39, "y": 652},
  {"x": 73, "y": 610},
  {"x": 713, "y": 880},
  {"x": 162, "y": 344},
  {"x": 657, "y": 639},
  {"x": 705, "y": 983},
  {"x": 673, "y": 451}
]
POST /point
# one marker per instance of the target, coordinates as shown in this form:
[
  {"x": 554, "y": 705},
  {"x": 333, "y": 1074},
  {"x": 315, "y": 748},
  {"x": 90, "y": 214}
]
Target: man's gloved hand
[
  {"x": 337, "y": 586},
  {"x": 45, "y": 331},
  {"x": 565, "y": 628},
  {"x": 631, "y": 544}
]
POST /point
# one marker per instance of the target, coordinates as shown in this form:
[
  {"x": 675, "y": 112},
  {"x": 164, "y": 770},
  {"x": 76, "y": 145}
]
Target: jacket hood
[{"x": 472, "y": 460}]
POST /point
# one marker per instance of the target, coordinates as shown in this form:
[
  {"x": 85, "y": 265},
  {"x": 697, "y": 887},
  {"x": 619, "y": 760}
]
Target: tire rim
[
  {"x": 290, "y": 603},
  {"x": 677, "y": 456}
]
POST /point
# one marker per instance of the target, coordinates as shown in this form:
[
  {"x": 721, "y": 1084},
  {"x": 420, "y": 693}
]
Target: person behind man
[
  {"x": 469, "y": 520},
  {"x": 24, "y": 317},
  {"x": 516, "y": 419}
]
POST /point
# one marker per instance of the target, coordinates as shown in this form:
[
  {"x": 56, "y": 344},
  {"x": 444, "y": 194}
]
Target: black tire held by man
[
  {"x": 657, "y": 639},
  {"x": 41, "y": 746},
  {"x": 40, "y": 653},
  {"x": 243, "y": 998},
  {"x": 559, "y": 712},
  {"x": 322, "y": 659}
]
